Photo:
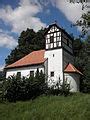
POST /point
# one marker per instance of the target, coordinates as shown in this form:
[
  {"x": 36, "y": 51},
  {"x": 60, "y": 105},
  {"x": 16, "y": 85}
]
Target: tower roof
[{"x": 71, "y": 69}]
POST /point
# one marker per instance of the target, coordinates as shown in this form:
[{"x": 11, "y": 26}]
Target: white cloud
[
  {"x": 1, "y": 30},
  {"x": 72, "y": 11},
  {"x": 2, "y": 67},
  {"x": 6, "y": 40},
  {"x": 23, "y": 16}
]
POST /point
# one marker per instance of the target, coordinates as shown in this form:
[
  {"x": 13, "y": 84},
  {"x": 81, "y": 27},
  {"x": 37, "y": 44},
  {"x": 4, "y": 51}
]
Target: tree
[
  {"x": 84, "y": 20},
  {"x": 2, "y": 75},
  {"x": 87, "y": 66},
  {"x": 28, "y": 41},
  {"x": 82, "y": 48},
  {"x": 82, "y": 61}
]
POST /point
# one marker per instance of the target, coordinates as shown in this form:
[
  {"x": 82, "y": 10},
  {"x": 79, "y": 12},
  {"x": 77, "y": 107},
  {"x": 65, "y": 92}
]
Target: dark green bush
[
  {"x": 16, "y": 88},
  {"x": 60, "y": 88},
  {"x": 25, "y": 88}
]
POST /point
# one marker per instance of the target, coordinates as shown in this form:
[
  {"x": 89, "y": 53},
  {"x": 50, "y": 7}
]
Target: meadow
[{"x": 74, "y": 107}]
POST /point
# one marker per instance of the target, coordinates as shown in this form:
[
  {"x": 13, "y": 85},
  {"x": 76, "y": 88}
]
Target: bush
[
  {"x": 17, "y": 88},
  {"x": 86, "y": 86},
  {"x": 60, "y": 88}
]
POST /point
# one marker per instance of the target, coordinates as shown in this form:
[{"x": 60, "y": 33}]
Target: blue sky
[{"x": 18, "y": 15}]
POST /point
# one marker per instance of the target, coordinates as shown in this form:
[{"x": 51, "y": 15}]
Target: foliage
[
  {"x": 2, "y": 78},
  {"x": 28, "y": 41},
  {"x": 60, "y": 88},
  {"x": 84, "y": 21},
  {"x": 17, "y": 88},
  {"x": 82, "y": 61},
  {"x": 2, "y": 75},
  {"x": 72, "y": 107}
]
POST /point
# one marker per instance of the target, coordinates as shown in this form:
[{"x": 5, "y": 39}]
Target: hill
[{"x": 75, "y": 107}]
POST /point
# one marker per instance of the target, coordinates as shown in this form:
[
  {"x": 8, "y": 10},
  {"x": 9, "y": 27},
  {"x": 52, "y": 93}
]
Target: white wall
[
  {"x": 25, "y": 71},
  {"x": 74, "y": 81},
  {"x": 54, "y": 63}
]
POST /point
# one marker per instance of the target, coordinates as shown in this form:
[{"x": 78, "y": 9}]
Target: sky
[{"x": 18, "y": 15}]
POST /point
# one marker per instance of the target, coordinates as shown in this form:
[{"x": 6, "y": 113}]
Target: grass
[{"x": 75, "y": 107}]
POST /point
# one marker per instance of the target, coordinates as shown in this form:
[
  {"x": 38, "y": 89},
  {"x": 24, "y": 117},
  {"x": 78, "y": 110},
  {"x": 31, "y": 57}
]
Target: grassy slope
[{"x": 76, "y": 107}]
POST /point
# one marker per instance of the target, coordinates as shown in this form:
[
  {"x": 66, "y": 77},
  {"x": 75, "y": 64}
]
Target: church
[{"x": 55, "y": 61}]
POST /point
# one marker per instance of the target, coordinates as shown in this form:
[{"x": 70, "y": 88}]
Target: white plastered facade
[{"x": 25, "y": 71}]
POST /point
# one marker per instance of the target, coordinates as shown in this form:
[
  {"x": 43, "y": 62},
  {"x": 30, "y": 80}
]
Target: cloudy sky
[{"x": 18, "y": 15}]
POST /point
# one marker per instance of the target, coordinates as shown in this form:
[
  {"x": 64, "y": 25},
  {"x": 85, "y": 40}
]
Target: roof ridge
[{"x": 76, "y": 69}]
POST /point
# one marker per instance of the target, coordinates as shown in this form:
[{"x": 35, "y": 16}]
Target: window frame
[
  {"x": 51, "y": 39},
  {"x": 18, "y": 74},
  {"x": 52, "y": 74},
  {"x": 32, "y": 73}
]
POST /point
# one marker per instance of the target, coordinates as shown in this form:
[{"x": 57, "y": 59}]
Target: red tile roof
[
  {"x": 71, "y": 69},
  {"x": 35, "y": 57}
]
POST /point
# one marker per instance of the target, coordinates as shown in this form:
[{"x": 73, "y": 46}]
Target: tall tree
[
  {"x": 82, "y": 61},
  {"x": 84, "y": 20},
  {"x": 28, "y": 41}
]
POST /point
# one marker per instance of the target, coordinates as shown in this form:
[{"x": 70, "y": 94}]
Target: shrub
[
  {"x": 60, "y": 88},
  {"x": 17, "y": 88},
  {"x": 86, "y": 86}
]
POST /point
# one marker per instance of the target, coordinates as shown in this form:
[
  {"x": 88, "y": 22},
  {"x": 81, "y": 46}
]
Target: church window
[
  {"x": 57, "y": 44},
  {"x": 31, "y": 73},
  {"x": 41, "y": 71},
  {"x": 18, "y": 74},
  {"x": 52, "y": 74},
  {"x": 51, "y": 39}
]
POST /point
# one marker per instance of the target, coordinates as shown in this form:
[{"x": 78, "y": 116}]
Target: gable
[
  {"x": 53, "y": 37},
  {"x": 52, "y": 28}
]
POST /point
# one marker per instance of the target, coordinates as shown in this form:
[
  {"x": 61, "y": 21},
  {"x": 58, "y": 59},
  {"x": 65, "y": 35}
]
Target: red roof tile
[
  {"x": 72, "y": 69},
  {"x": 35, "y": 57}
]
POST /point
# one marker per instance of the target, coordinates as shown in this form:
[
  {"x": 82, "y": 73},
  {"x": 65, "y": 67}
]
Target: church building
[{"x": 56, "y": 61}]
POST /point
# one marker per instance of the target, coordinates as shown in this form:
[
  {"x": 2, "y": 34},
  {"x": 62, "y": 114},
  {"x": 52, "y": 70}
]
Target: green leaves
[
  {"x": 82, "y": 61},
  {"x": 28, "y": 41},
  {"x": 17, "y": 88}
]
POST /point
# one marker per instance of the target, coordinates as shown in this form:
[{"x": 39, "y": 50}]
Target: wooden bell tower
[{"x": 59, "y": 51}]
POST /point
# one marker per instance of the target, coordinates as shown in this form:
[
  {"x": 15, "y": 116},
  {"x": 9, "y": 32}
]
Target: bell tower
[
  {"x": 53, "y": 37},
  {"x": 58, "y": 51}
]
